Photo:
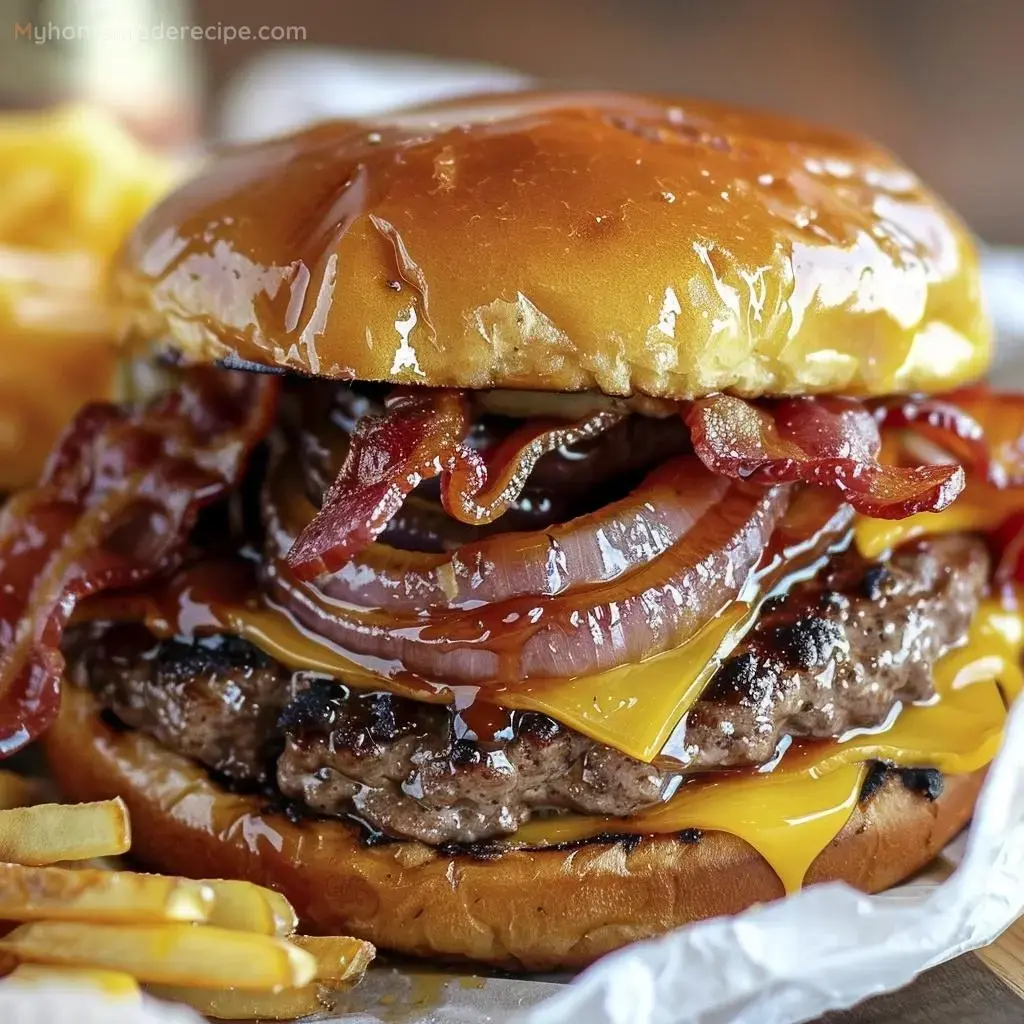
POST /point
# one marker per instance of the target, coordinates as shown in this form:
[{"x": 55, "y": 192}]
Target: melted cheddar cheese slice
[
  {"x": 791, "y": 814},
  {"x": 633, "y": 707},
  {"x": 980, "y": 508}
]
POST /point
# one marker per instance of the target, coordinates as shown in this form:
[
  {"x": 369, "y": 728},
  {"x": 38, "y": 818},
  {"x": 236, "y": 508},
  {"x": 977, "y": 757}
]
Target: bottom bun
[{"x": 539, "y": 909}]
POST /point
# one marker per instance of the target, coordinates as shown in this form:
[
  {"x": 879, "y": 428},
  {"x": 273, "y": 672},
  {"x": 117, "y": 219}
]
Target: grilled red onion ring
[
  {"x": 658, "y": 605},
  {"x": 596, "y": 548}
]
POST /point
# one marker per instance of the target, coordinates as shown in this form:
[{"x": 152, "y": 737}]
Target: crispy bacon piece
[
  {"x": 114, "y": 507},
  {"x": 981, "y": 429},
  {"x": 421, "y": 436},
  {"x": 828, "y": 441},
  {"x": 477, "y": 498}
]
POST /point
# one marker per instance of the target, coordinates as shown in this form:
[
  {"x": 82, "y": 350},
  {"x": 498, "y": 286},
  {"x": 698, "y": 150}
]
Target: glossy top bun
[
  {"x": 566, "y": 242},
  {"x": 538, "y": 909}
]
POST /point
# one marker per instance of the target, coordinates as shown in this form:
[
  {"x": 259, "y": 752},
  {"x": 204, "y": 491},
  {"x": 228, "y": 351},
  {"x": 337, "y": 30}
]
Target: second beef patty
[{"x": 836, "y": 653}]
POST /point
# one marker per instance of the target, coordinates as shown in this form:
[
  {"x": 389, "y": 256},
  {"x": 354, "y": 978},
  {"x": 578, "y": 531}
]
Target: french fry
[
  {"x": 244, "y": 907},
  {"x": 231, "y": 1004},
  {"x": 340, "y": 960},
  {"x": 169, "y": 954},
  {"x": 72, "y": 185},
  {"x": 19, "y": 790},
  {"x": 48, "y": 833},
  {"x": 114, "y": 984},
  {"x": 63, "y": 894}
]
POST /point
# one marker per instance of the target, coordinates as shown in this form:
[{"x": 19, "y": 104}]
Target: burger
[{"x": 535, "y": 522}]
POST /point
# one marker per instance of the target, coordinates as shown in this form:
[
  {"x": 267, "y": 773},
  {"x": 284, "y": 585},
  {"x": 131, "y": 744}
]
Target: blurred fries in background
[
  {"x": 72, "y": 185},
  {"x": 225, "y": 948}
]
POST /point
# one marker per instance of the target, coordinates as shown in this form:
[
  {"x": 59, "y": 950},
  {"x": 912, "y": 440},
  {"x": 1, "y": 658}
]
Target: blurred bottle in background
[{"x": 115, "y": 54}]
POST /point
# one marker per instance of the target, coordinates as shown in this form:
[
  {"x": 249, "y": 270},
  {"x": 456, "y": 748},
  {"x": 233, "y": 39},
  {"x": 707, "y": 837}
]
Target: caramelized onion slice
[
  {"x": 828, "y": 441},
  {"x": 652, "y": 609},
  {"x": 116, "y": 502},
  {"x": 592, "y": 549},
  {"x": 421, "y": 435}
]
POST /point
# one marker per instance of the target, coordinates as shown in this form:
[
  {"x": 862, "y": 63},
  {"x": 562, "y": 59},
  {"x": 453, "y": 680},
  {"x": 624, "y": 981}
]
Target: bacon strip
[
  {"x": 421, "y": 436},
  {"x": 478, "y": 499},
  {"x": 981, "y": 429},
  {"x": 831, "y": 442},
  {"x": 114, "y": 507}
]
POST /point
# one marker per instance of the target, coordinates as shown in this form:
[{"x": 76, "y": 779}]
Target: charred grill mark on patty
[
  {"x": 418, "y": 779},
  {"x": 215, "y": 700},
  {"x": 837, "y": 652}
]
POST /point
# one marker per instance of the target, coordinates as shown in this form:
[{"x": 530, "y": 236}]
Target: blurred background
[{"x": 939, "y": 81}]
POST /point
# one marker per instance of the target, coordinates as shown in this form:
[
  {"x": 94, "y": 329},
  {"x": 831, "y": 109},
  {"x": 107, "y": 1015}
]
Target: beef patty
[{"x": 837, "y": 652}]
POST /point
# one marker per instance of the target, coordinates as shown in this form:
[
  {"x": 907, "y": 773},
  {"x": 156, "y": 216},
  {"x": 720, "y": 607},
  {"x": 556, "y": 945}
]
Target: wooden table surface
[{"x": 1006, "y": 957}]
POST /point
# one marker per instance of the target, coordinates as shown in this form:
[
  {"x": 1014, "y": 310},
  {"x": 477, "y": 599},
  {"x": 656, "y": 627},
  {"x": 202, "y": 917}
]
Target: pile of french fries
[{"x": 226, "y": 948}]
